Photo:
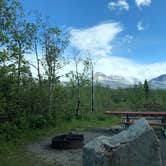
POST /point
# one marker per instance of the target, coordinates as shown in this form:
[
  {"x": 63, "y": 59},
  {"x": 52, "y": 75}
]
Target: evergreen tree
[{"x": 146, "y": 89}]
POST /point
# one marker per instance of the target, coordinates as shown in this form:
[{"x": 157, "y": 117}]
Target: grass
[{"x": 14, "y": 153}]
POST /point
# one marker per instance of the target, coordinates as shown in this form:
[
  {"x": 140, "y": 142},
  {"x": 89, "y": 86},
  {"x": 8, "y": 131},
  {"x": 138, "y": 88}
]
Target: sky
[{"x": 123, "y": 37}]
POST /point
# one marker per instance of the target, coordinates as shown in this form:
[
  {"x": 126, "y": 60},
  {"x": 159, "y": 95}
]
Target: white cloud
[
  {"x": 140, "y": 3},
  {"x": 140, "y": 26},
  {"x": 127, "y": 39},
  {"x": 96, "y": 39},
  {"x": 111, "y": 65},
  {"x": 119, "y": 5}
]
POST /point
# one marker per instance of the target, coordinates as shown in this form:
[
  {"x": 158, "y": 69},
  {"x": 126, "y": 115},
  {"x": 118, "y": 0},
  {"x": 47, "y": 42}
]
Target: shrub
[
  {"x": 37, "y": 122},
  {"x": 9, "y": 131},
  {"x": 100, "y": 117}
]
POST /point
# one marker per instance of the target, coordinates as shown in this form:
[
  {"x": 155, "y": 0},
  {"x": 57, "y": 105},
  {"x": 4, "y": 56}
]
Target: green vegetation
[
  {"x": 42, "y": 101},
  {"x": 14, "y": 153},
  {"x": 33, "y": 106}
]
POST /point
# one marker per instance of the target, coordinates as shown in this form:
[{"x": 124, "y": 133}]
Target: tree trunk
[
  {"x": 50, "y": 93},
  {"x": 78, "y": 92},
  {"x": 39, "y": 77},
  {"x": 38, "y": 66},
  {"x": 19, "y": 76},
  {"x": 92, "y": 92},
  {"x": 78, "y": 99}
]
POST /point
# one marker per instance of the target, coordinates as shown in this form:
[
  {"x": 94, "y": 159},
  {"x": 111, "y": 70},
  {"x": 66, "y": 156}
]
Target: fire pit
[{"x": 68, "y": 141}]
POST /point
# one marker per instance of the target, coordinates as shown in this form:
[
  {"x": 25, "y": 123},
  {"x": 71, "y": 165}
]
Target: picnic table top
[{"x": 134, "y": 113}]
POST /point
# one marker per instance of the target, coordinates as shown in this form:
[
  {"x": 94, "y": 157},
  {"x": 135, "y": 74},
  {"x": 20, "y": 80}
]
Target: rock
[{"x": 136, "y": 146}]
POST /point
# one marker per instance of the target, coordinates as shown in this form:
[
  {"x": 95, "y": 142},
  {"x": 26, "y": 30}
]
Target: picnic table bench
[{"x": 151, "y": 115}]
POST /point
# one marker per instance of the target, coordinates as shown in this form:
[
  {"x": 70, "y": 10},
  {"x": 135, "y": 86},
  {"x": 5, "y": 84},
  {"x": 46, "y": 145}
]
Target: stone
[{"x": 136, "y": 146}]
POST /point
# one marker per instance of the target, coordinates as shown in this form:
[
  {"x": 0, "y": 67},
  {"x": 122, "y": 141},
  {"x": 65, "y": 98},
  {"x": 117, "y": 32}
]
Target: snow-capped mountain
[
  {"x": 115, "y": 81},
  {"x": 161, "y": 78},
  {"x": 158, "y": 82}
]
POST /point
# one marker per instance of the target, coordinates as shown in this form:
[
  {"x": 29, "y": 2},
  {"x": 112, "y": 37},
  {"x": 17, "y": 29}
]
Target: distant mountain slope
[
  {"x": 160, "y": 78},
  {"x": 158, "y": 82},
  {"x": 115, "y": 81}
]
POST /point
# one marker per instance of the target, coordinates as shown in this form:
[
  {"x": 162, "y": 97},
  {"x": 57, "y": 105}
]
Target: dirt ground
[{"x": 74, "y": 157}]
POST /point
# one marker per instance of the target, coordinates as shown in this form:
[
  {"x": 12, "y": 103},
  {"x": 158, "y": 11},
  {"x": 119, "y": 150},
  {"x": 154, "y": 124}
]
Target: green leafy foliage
[
  {"x": 37, "y": 102},
  {"x": 9, "y": 131},
  {"x": 38, "y": 122}
]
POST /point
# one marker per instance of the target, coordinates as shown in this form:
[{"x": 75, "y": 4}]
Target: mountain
[
  {"x": 115, "y": 81},
  {"x": 158, "y": 82},
  {"x": 161, "y": 78}
]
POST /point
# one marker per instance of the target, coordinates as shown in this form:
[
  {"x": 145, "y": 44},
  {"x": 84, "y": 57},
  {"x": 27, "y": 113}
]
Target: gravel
[{"x": 73, "y": 157}]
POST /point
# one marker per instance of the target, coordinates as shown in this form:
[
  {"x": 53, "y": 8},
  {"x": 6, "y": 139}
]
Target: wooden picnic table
[
  {"x": 131, "y": 113},
  {"x": 135, "y": 113}
]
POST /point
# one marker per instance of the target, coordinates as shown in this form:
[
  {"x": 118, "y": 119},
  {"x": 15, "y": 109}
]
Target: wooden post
[
  {"x": 127, "y": 120},
  {"x": 163, "y": 120}
]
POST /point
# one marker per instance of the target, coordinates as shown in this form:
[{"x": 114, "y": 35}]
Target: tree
[
  {"x": 8, "y": 12},
  {"x": 91, "y": 64},
  {"x": 79, "y": 77},
  {"x": 37, "y": 42},
  {"x": 35, "y": 45},
  {"x": 77, "y": 60},
  {"x": 15, "y": 39},
  {"x": 92, "y": 87},
  {"x": 53, "y": 43},
  {"x": 146, "y": 89},
  {"x": 136, "y": 96},
  {"x": 21, "y": 37}
]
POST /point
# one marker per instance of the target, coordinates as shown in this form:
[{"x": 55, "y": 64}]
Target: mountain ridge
[
  {"x": 158, "y": 82},
  {"x": 117, "y": 81}
]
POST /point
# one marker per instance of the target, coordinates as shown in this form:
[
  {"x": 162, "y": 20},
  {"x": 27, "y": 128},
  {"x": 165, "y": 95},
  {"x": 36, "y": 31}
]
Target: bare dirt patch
[{"x": 73, "y": 157}]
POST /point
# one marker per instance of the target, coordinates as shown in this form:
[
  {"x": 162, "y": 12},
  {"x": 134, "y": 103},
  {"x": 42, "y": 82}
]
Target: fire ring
[{"x": 68, "y": 141}]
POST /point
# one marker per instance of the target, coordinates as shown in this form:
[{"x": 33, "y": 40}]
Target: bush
[
  {"x": 100, "y": 117},
  {"x": 9, "y": 131},
  {"x": 22, "y": 123},
  {"x": 37, "y": 122}
]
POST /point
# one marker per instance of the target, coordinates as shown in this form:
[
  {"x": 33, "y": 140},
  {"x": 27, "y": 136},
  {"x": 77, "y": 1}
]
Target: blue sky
[{"x": 135, "y": 29}]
